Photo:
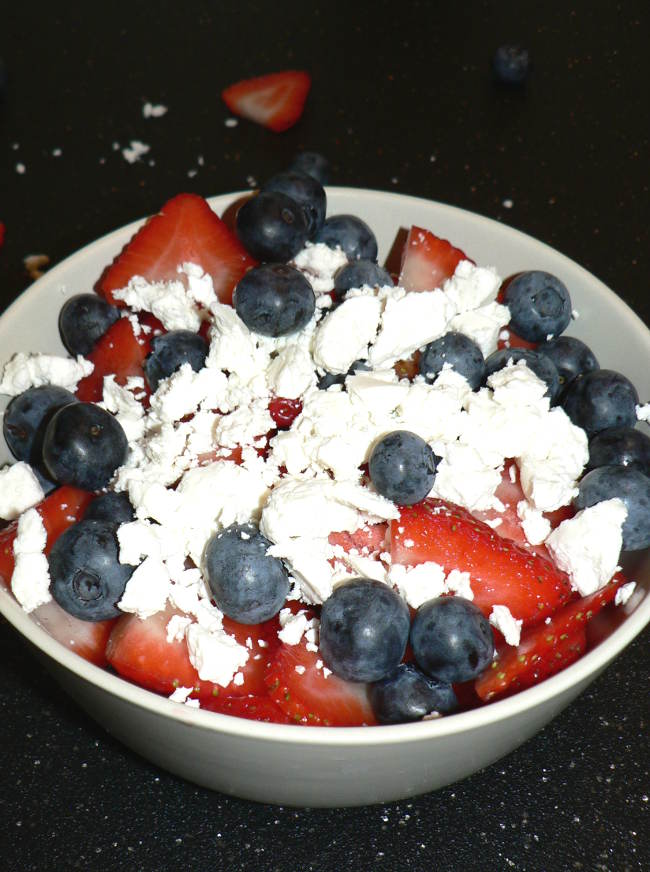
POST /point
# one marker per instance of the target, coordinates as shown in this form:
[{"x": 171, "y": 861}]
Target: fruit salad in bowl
[{"x": 275, "y": 504}]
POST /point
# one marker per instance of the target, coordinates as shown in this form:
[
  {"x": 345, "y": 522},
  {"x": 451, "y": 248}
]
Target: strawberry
[
  {"x": 284, "y": 411},
  {"x": 304, "y": 693},
  {"x": 138, "y": 650},
  {"x": 427, "y": 260},
  {"x": 59, "y": 510},
  {"x": 275, "y": 101},
  {"x": 546, "y": 649},
  {"x": 119, "y": 352},
  {"x": 253, "y": 708},
  {"x": 86, "y": 638},
  {"x": 185, "y": 230},
  {"x": 368, "y": 540},
  {"x": 501, "y": 572}
]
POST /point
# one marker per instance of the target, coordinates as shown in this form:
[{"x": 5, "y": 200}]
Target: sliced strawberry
[
  {"x": 185, "y": 230},
  {"x": 301, "y": 689},
  {"x": 284, "y": 411},
  {"x": 253, "y": 708},
  {"x": 119, "y": 352},
  {"x": 86, "y": 638},
  {"x": 546, "y": 649},
  {"x": 367, "y": 540},
  {"x": 275, "y": 101},
  {"x": 59, "y": 510},
  {"x": 427, "y": 260},
  {"x": 509, "y": 339},
  {"x": 138, "y": 650},
  {"x": 501, "y": 572}
]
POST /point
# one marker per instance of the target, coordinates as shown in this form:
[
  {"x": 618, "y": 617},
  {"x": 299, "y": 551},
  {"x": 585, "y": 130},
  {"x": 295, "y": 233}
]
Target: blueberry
[
  {"x": 571, "y": 358},
  {"x": 113, "y": 507},
  {"x": 542, "y": 366},
  {"x": 248, "y": 585},
  {"x": 601, "y": 399},
  {"x": 274, "y": 299},
  {"x": 364, "y": 629},
  {"x": 272, "y": 226},
  {"x": 330, "y": 378},
  {"x": 83, "y": 320},
  {"x": 407, "y": 694},
  {"x": 351, "y": 234},
  {"x": 88, "y": 579},
  {"x": 83, "y": 446},
  {"x": 460, "y": 352},
  {"x": 402, "y": 467},
  {"x": 630, "y": 486},
  {"x": 451, "y": 639},
  {"x": 539, "y": 305},
  {"x": 360, "y": 273},
  {"x": 306, "y": 191},
  {"x": 620, "y": 446},
  {"x": 26, "y": 418},
  {"x": 170, "y": 351},
  {"x": 314, "y": 164},
  {"x": 511, "y": 64}
]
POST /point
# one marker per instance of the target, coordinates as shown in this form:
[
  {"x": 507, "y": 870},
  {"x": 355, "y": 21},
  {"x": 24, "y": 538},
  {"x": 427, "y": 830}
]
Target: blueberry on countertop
[{"x": 511, "y": 64}]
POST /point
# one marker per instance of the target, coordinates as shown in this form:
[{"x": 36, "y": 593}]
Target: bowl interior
[{"x": 30, "y": 324}]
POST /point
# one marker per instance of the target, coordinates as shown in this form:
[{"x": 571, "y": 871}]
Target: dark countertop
[{"x": 402, "y": 100}]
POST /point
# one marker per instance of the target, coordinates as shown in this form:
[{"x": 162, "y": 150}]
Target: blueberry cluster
[
  {"x": 289, "y": 210},
  {"x": 364, "y": 630}
]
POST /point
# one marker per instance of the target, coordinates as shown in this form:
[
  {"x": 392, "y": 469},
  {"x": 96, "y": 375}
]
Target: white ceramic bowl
[{"x": 327, "y": 766}]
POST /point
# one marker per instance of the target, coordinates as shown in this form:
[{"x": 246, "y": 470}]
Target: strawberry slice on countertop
[
  {"x": 501, "y": 572},
  {"x": 545, "y": 650},
  {"x": 299, "y": 684},
  {"x": 275, "y": 100},
  {"x": 185, "y": 230},
  {"x": 427, "y": 260},
  {"x": 118, "y": 352},
  {"x": 138, "y": 650}
]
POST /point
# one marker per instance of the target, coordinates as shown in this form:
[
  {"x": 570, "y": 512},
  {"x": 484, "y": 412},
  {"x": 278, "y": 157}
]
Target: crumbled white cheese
[
  {"x": 167, "y": 301},
  {"x": 319, "y": 264},
  {"x": 147, "y": 589},
  {"x": 30, "y": 581},
  {"x": 535, "y": 526},
  {"x": 510, "y": 628},
  {"x": 587, "y": 546},
  {"x": 472, "y": 286},
  {"x": 20, "y": 489},
  {"x": 215, "y": 655},
  {"x": 25, "y": 371},
  {"x": 343, "y": 335},
  {"x": 624, "y": 593},
  {"x": 643, "y": 412},
  {"x": 418, "y": 584},
  {"x": 483, "y": 325}
]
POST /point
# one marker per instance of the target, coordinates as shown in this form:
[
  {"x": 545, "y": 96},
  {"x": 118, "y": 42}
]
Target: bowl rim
[{"x": 587, "y": 667}]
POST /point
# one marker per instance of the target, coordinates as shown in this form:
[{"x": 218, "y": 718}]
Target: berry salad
[{"x": 277, "y": 480}]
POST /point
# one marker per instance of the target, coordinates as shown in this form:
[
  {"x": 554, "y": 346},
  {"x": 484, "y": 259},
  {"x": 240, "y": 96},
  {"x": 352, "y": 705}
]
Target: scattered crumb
[
  {"x": 575, "y": 314},
  {"x": 251, "y": 181},
  {"x": 643, "y": 412},
  {"x": 134, "y": 151},
  {"x": 36, "y": 264},
  {"x": 231, "y": 122},
  {"x": 57, "y": 152},
  {"x": 153, "y": 110},
  {"x": 20, "y": 168},
  {"x": 508, "y": 203},
  {"x": 15, "y": 146},
  {"x": 192, "y": 173}
]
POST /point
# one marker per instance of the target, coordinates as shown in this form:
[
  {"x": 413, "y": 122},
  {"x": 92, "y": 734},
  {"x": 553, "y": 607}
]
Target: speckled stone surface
[{"x": 402, "y": 100}]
